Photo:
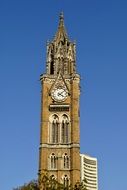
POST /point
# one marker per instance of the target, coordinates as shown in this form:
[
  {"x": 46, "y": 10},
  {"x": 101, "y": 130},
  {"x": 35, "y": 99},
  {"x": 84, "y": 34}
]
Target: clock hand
[{"x": 60, "y": 94}]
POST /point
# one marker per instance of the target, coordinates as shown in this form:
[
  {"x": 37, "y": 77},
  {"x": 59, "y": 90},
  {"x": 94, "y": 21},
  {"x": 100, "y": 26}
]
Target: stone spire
[
  {"x": 61, "y": 52},
  {"x": 61, "y": 34}
]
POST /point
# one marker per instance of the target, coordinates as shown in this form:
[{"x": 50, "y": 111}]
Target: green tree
[
  {"x": 32, "y": 185},
  {"x": 49, "y": 183}
]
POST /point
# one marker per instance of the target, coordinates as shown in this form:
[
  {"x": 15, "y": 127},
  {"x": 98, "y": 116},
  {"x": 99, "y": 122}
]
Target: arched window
[
  {"x": 64, "y": 129},
  {"x": 52, "y": 69},
  {"x": 52, "y": 177},
  {"x": 66, "y": 161},
  {"x": 54, "y": 129},
  {"x": 65, "y": 68},
  {"x": 53, "y": 161},
  {"x": 66, "y": 181},
  {"x": 52, "y": 182}
]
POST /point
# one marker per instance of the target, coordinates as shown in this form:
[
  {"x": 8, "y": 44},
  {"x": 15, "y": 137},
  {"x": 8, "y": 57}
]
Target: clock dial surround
[{"x": 59, "y": 94}]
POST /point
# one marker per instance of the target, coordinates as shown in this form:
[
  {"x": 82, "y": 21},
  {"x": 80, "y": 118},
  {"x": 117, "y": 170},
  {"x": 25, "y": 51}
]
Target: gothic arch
[
  {"x": 53, "y": 177},
  {"x": 51, "y": 117},
  {"x": 59, "y": 128},
  {"x": 54, "y": 128},
  {"x": 66, "y": 161},
  {"x": 53, "y": 184},
  {"x": 61, "y": 116},
  {"x": 64, "y": 129},
  {"x": 53, "y": 161},
  {"x": 65, "y": 180}
]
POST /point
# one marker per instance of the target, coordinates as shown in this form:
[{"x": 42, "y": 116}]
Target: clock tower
[{"x": 59, "y": 155}]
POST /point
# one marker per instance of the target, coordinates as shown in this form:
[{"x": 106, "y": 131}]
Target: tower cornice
[{"x": 71, "y": 77}]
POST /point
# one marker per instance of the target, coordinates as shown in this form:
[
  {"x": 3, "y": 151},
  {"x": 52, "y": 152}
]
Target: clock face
[{"x": 59, "y": 94}]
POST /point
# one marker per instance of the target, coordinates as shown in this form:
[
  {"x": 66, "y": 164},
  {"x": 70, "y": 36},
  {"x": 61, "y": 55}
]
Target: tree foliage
[
  {"x": 32, "y": 185},
  {"x": 49, "y": 183}
]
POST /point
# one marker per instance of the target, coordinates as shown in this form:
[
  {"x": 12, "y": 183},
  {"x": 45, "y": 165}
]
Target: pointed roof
[{"x": 61, "y": 33}]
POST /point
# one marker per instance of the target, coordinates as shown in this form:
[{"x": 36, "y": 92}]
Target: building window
[
  {"x": 66, "y": 181},
  {"x": 53, "y": 161},
  {"x": 51, "y": 68},
  {"x": 52, "y": 177},
  {"x": 64, "y": 129},
  {"x": 66, "y": 161},
  {"x": 55, "y": 129},
  {"x": 52, "y": 184},
  {"x": 52, "y": 63}
]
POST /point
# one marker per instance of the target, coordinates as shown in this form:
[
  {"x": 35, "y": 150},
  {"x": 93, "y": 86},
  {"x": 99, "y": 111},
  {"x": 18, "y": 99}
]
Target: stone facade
[{"x": 60, "y": 134}]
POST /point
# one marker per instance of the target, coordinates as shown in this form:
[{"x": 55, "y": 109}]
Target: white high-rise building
[{"x": 89, "y": 172}]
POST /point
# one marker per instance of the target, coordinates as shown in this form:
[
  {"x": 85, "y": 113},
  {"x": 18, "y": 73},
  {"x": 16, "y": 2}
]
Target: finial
[
  {"x": 61, "y": 21},
  {"x": 61, "y": 16},
  {"x": 47, "y": 42},
  {"x": 61, "y": 32},
  {"x": 74, "y": 42}
]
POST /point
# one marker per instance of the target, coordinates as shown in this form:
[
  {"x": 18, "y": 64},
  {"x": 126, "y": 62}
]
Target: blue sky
[{"x": 100, "y": 30}]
